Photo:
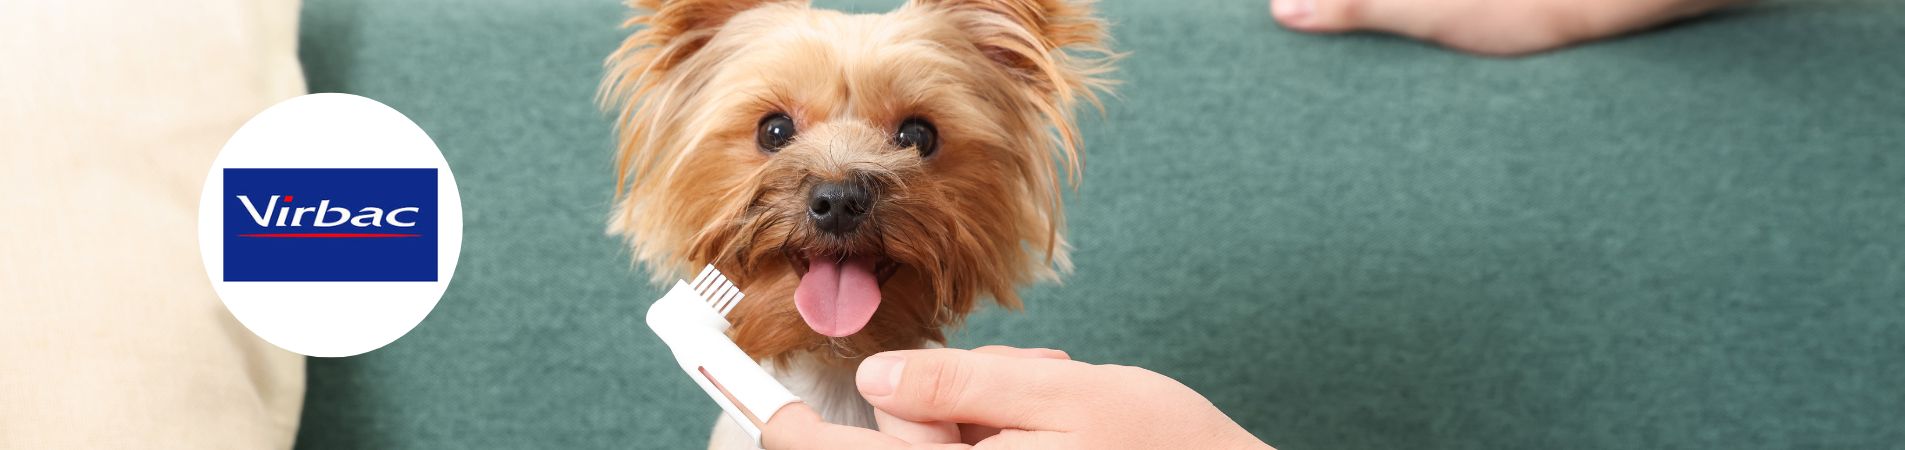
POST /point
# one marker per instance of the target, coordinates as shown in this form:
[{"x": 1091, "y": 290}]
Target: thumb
[{"x": 948, "y": 385}]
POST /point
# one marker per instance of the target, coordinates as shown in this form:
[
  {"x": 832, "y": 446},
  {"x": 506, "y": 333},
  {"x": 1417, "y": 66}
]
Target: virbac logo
[
  {"x": 330, "y": 224},
  {"x": 387, "y": 233}
]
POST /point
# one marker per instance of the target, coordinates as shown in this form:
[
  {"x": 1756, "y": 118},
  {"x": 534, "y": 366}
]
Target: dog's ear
[
  {"x": 672, "y": 30},
  {"x": 1059, "y": 46}
]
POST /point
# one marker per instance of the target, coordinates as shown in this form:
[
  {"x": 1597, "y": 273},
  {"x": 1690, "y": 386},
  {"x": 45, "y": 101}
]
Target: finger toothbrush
[{"x": 692, "y": 320}]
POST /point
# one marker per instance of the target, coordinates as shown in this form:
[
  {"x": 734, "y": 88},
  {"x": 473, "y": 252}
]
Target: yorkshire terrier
[{"x": 866, "y": 179}]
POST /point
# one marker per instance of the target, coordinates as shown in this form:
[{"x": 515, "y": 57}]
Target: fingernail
[
  {"x": 879, "y": 374},
  {"x": 1293, "y": 9}
]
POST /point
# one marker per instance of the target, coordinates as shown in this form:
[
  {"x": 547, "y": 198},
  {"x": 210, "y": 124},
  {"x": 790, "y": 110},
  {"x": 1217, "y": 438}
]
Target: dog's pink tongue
[{"x": 837, "y": 298}]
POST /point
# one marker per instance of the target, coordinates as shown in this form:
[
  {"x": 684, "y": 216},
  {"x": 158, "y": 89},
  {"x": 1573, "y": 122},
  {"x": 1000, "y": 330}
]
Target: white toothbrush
[{"x": 692, "y": 320}]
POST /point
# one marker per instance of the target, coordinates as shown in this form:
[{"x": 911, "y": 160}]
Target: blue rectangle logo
[{"x": 330, "y": 224}]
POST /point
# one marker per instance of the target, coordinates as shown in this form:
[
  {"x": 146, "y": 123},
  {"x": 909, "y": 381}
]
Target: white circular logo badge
[{"x": 330, "y": 225}]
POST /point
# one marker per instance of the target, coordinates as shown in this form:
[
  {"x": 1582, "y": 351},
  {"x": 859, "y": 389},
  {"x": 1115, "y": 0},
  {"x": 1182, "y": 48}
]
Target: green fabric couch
[{"x": 1689, "y": 238}]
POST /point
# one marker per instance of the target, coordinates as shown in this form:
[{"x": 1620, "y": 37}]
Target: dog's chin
[{"x": 839, "y": 292}]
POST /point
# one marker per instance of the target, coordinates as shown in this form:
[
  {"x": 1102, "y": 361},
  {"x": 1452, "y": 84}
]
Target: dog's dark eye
[
  {"x": 919, "y": 134},
  {"x": 776, "y": 130}
]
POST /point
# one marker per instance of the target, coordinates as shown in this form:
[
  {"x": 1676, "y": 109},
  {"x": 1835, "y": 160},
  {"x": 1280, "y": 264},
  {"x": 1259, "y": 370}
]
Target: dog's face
[{"x": 866, "y": 179}]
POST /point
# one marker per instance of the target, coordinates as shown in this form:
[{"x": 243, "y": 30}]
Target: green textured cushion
[{"x": 1693, "y": 237}]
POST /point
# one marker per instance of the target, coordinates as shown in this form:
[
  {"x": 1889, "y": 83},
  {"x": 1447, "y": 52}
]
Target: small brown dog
[{"x": 866, "y": 179}]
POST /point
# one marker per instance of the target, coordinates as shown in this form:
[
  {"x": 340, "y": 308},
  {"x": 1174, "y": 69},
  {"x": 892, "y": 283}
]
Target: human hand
[{"x": 1003, "y": 397}]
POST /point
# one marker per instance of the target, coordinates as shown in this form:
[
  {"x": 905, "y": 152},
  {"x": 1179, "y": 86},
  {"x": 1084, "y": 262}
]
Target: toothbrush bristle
[
  {"x": 716, "y": 290},
  {"x": 702, "y": 277}
]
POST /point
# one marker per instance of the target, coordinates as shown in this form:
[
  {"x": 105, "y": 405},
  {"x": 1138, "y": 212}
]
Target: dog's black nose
[{"x": 836, "y": 207}]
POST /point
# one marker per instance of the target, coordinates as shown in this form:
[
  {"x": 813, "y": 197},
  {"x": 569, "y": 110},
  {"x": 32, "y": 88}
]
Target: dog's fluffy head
[{"x": 813, "y": 156}]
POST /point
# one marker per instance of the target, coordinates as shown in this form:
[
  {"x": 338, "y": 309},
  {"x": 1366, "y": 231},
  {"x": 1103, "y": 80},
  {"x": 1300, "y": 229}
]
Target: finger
[
  {"x": 917, "y": 432},
  {"x": 798, "y": 427},
  {"x": 1029, "y": 440},
  {"x": 1411, "y": 18},
  {"x": 1047, "y": 353},
  {"x": 947, "y": 385}
]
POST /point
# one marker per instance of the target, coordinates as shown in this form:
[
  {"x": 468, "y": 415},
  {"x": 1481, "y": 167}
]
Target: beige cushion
[{"x": 110, "y": 115}]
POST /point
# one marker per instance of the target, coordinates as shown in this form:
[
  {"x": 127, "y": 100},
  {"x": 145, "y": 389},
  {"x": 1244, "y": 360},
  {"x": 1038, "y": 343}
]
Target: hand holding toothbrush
[
  {"x": 993, "y": 397},
  {"x": 1004, "y": 397}
]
